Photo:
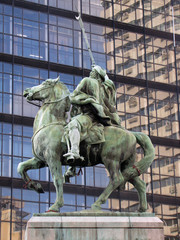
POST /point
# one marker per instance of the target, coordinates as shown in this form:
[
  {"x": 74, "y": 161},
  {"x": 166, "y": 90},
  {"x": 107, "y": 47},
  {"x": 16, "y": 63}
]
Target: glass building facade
[{"x": 138, "y": 42}]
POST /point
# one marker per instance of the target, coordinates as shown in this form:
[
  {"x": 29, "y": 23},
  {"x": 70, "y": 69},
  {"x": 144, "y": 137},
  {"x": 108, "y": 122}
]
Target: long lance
[{"x": 81, "y": 24}]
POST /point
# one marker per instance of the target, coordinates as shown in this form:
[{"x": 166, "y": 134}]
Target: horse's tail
[{"x": 149, "y": 152}]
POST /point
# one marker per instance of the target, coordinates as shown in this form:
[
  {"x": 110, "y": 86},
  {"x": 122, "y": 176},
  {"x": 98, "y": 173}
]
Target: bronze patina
[{"x": 93, "y": 136}]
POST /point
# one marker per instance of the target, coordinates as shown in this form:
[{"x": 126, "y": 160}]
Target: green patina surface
[
  {"x": 88, "y": 213},
  {"x": 93, "y": 136}
]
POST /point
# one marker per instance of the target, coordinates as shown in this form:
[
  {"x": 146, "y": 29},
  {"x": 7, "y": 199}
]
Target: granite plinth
[{"x": 97, "y": 227}]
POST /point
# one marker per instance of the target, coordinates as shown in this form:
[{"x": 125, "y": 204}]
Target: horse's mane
[{"x": 63, "y": 87}]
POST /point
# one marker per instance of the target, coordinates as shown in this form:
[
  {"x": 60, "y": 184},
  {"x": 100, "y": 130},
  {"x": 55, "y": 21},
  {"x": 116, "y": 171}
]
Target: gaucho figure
[{"x": 93, "y": 108}]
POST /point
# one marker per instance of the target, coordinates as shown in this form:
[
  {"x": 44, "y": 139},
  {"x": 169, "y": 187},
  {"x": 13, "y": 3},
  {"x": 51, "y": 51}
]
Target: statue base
[{"x": 88, "y": 225}]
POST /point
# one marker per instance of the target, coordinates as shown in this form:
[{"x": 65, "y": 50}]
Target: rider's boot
[{"x": 74, "y": 137}]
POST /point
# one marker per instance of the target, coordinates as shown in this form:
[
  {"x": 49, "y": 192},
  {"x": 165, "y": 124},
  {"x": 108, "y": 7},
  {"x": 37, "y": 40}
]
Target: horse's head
[{"x": 49, "y": 89}]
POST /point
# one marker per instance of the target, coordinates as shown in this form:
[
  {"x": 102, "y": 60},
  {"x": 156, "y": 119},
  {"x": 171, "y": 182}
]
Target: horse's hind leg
[
  {"x": 56, "y": 172},
  {"x": 140, "y": 185},
  {"x": 22, "y": 169},
  {"x": 116, "y": 179}
]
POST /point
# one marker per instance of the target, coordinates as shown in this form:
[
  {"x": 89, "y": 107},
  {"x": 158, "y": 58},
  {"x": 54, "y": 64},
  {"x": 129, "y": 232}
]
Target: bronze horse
[{"x": 117, "y": 153}]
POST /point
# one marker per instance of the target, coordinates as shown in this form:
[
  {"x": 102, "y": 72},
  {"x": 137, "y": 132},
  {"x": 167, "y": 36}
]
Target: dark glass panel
[
  {"x": 8, "y": 9},
  {"x": 16, "y": 161},
  {"x": 17, "y": 129},
  {"x": 65, "y": 36},
  {"x": 28, "y": 207},
  {"x": 27, "y": 147},
  {"x": 18, "y": 27},
  {"x": 30, "y": 48},
  {"x": 53, "y": 52},
  {"x": 69, "y": 199},
  {"x": 43, "y": 74},
  {"x": 30, "y": 29},
  {"x": 44, "y": 174},
  {"x": 64, "y": 22},
  {"x": 7, "y": 24},
  {"x": 43, "y": 17},
  {"x": 65, "y": 4},
  {"x": 7, "y": 103},
  {"x": 7, "y": 83},
  {"x": 27, "y": 131},
  {"x": 77, "y": 39},
  {"x": 53, "y": 19},
  {"x": 44, "y": 208},
  {"x": 80, "y": 200},
  {"x": 68, "y": 208},
  {"x": 31, "y": 72},
  {"x": 18, "y": 46},
  {"x": 7, "y": 128},
  {"x": 89, "y": 176},
  {"x": 44, "y": 197},
  {"x": 53, "y": 34},
  {"x": 7, "y": 144},
  {"x": 1, "y": 23},
  {"x": 43, "y": 51},
  {"x": 17, "y": 12},
  {"x": 8, "y": 44},
  {"x": 101, "y": 177},
  {"x": 43, "y": 28},
  {"x": 17, "y": 85},
  {"x": 30, "y": 15},
  {"x": 17, "y": 146},
  {"x": 17, "y": 69},
  {"x": 77, "y": 58},
  {"x": 65, "y": 55},
  {"x": 66, "y": 78},
  {"x": 6, "y": 166}
]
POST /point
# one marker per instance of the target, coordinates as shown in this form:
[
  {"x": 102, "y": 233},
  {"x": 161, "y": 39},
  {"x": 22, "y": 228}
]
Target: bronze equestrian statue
[{"x": 93, "y": 136}]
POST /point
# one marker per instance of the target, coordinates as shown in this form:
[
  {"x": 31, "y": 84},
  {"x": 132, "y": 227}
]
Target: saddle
[{"x": 90, "y": 155}]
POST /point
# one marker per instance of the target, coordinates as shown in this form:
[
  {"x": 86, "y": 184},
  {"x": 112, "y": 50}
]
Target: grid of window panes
[
  {"x": 162, "y": 107},
  {"x": 53, "y": 38}
]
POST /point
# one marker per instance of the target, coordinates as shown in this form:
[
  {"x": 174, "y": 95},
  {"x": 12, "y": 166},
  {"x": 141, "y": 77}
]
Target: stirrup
[{"x": 72, "y": 156}]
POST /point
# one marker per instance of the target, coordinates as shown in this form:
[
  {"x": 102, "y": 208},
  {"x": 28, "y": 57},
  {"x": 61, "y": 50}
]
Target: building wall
[{"x": 134, "y": 41}]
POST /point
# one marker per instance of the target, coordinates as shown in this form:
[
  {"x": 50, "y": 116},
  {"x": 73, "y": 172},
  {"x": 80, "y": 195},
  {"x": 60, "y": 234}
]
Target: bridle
[
  {"x": 55, "y": 101},
  {"x": 60, "y": 122}
]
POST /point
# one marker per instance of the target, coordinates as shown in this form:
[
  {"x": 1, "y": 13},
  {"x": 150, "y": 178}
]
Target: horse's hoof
[
  {"x": 95, "y": 207},
  {"x": 36, "y": 187},
  {"x": 40, "y": 190},
  {"x": 67, "y": 179},
  {"x": 141, "y": 210}
]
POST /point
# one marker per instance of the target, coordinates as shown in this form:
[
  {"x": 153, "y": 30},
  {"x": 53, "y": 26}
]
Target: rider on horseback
[{"x": 93, "y": 108}]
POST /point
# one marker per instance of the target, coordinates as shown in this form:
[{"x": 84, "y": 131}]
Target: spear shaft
[{"x": 85, "y": 38}]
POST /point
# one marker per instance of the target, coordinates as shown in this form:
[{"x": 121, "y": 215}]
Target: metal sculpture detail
[{"x": 94, "y": 136}]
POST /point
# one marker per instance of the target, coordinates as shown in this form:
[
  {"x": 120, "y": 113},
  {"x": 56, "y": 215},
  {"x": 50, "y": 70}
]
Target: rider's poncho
[
  {"x": 93, "y": 108},
  {"x": 101, "y": 98}
]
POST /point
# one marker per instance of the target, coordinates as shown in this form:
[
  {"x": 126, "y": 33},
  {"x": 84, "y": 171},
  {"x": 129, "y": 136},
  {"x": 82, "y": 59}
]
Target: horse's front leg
[
  {"x": 55, "y": 167},
  {"x": 22, "y": 169}
]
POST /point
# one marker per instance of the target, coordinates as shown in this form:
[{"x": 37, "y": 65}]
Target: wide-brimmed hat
[{"x": 100, "y": 71}]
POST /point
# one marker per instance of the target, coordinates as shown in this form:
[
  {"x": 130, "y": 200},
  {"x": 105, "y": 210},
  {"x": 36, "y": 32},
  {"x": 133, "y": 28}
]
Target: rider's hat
[{"x": 100, "y": 71}]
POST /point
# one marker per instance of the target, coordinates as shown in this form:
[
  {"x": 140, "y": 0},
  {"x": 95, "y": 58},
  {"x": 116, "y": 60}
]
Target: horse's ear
[
  {"x": 54, "y": 81},
  {"x": 57, "y": 79}
]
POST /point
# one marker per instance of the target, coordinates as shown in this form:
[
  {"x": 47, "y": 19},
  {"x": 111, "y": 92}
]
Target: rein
[
  {"x": 61, "y": 122},
  {"x": 33, "y": 103},
  {"x": 55, "y": 101}
]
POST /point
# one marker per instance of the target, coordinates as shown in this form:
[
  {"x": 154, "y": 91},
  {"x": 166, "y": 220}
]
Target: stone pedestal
[{"x": 95, "y": 227}]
